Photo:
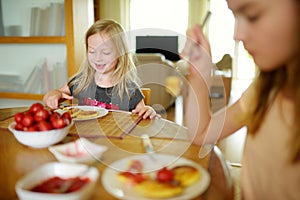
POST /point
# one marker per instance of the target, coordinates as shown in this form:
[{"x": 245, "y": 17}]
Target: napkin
[{"x": 80, "y": 150}]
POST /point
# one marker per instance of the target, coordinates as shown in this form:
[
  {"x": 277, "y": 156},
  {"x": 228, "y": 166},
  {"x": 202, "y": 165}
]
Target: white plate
[
  {"x": 119, "y": 190},
  {"x": 101, "y": 111},
  {"x": 80, "y": 150}
]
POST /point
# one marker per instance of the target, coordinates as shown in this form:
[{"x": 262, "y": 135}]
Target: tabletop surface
[{"x": 112, "y": 131}]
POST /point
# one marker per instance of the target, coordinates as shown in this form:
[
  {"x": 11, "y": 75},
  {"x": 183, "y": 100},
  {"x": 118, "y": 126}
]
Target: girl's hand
[
  {"x": 198, "y": 53},
  {"x": 146, "y": 111},
  {"x": 52, "y": 98}
]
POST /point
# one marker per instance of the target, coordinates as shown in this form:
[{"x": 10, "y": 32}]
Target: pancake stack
[{"x": 149, "y": 186}]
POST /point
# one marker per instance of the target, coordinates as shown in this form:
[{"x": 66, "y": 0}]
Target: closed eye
[
  {"x": 106, "y": 53},
  {"x": 253, "y": 18}
]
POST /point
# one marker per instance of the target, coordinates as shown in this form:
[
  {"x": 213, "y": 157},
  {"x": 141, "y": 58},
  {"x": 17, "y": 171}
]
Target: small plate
[
  {"x": 81, "y": 150},
  {"x": 101, "y": 111},
  {"x": 121, "y": 190}
]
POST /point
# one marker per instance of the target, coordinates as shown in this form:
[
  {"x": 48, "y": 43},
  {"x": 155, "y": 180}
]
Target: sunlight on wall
[
  {"x": 221, "y": 27},
  {"x": 221, "y": 31}
]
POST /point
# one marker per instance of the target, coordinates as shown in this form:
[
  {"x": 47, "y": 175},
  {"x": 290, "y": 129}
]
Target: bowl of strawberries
[{"x": 39, "y": 127}]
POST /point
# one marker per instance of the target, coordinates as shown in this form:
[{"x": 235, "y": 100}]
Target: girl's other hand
[{"x": 145, "y": 111}]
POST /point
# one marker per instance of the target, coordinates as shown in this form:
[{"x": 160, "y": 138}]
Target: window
[
  {"x": 162, "y": 14},
  {"x": 221, "y": 31},
  {"x": 170, "y": 17},
  {"x": 163, "y": 17},
  {"x": 221, "y": 27}
]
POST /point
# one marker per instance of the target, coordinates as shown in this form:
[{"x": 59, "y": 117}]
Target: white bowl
[
  {"x": 40, "y": 139},
  {"x": 81, "y": 150},
  {"x": 63, "y": 170}
]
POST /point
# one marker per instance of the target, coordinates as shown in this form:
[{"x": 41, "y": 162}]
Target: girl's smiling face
[
  {"x": 102, "y": 54},
  {"x": 267, "y": 29}
]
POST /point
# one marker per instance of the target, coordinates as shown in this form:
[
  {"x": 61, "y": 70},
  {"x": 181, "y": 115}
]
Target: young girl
[
  {"x": 108, "y": 78},
  {"x": 269, "y": 108}
]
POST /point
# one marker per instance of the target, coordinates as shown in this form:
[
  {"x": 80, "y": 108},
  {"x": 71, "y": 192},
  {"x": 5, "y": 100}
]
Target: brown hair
[{"x": 269, "y": 84}]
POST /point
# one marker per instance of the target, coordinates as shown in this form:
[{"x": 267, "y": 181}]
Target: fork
[{"x": 148, "y": 146}]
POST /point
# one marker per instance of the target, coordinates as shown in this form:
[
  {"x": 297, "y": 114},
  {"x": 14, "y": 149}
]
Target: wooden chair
[
  {"x": 225, "y": 65},
  {"x": 226, "y": 184},
  {"x": 147, "y": 93},
  {"x": 221, "y": 83},
  {"x": 147, "y": 65}
]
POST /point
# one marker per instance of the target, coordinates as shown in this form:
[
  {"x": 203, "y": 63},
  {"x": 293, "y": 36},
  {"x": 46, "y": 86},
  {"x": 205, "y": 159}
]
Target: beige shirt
[{"x": 266, "y": 171}]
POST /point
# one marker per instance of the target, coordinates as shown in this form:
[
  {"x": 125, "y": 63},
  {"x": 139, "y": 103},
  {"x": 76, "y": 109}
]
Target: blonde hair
[{"x": 125, "y": 71}]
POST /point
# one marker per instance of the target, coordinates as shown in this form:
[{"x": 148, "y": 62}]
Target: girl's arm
[
  {"x": 205, "y": 127},
  {"x": 52, "y": 98},
  {"x": 221, "y": 124}
]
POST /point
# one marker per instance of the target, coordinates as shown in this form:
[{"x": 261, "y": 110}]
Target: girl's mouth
[{"x": 100, "y": 66}]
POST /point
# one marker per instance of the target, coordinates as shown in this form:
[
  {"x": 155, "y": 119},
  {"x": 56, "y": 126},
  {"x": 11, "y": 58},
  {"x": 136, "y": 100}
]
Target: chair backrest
[
  {"x": 153, "y": 69},
  {"x": 225, "y": 65},
  {"x": 147, "y": 93}
]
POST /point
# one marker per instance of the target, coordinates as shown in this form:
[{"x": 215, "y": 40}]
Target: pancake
[
  {"x": 186, "y": 175},
  {"x": 87, "y": 114},
  {"x": 82, "y": 114},
  {"x": 148, "y": 186},
  {"x": 132, "y": 178},
  {"x": 74, "y": 112}
]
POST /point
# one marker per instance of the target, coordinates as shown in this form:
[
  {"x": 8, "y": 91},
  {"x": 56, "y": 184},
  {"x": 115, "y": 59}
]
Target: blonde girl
[{"x": 108, "y": 78}]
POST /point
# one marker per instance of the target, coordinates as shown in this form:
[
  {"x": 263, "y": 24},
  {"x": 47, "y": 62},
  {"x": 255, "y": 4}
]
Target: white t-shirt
[{"x": 266, "y": 171}]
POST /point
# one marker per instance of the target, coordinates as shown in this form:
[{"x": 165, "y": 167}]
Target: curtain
[
  {"x": 118, "y": 10},
  {"x": 197, "y": 12},
  {"x": 81, "y": 24}
]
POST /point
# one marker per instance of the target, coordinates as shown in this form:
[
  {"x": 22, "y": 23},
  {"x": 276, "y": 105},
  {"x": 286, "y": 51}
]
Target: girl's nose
[
  {"x": 240, "y": 32},
  {"x": 98, "y": 55}
]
